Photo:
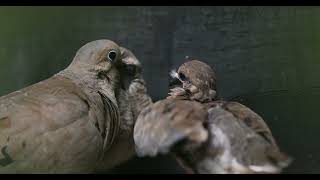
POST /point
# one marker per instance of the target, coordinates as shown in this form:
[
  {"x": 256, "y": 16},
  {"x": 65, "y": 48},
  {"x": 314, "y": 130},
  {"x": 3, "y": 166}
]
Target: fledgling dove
[
  {"x": 66, "y": 123},
  {"x": 207, "y": 136}
]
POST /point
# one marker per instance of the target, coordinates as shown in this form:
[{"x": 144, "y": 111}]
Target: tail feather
[
  {"x": 279, "y": 159},
  {"x": 277, "y": 162}
]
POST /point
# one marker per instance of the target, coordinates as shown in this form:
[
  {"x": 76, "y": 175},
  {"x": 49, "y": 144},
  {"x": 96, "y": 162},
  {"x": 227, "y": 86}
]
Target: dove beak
[
  {"x": 128, "y": 63},
  {"x": 129, "y": 67},
  {"x": 174, "y": 81}
]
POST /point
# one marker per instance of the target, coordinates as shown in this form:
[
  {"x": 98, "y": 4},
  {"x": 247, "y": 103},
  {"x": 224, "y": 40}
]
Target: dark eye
[
  {"x": 182, "y": 77},
  {"x": 112, "y": 55}
]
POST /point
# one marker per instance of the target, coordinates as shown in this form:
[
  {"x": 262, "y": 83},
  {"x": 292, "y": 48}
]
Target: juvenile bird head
[{"x": 195, "y": 80}]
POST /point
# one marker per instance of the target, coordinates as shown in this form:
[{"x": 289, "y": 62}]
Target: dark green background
[{"x": 265, "y": 57}]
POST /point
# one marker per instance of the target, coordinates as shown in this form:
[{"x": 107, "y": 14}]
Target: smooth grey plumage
[{"x": 69, "y": 122}]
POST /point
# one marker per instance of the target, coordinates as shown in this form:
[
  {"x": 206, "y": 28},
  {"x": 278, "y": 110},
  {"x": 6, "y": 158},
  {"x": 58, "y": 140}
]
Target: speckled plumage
[
  {"x": 227, "y": 137},
  {"x": 198, "y": 81}
]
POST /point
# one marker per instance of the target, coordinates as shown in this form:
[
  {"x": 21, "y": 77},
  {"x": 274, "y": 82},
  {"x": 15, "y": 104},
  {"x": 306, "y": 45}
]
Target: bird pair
[
  {"x": 82, "y": 119},
  {"x": 206, "y": 135}
]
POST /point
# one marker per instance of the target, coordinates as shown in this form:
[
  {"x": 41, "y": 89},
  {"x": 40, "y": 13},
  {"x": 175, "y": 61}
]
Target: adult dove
[
  {"x": 68, "y": 122},
  {"x": 204, "y": 134}
]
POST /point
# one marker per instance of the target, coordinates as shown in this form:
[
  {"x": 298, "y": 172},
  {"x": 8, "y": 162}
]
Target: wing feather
[{"x": 167, "y": 122}]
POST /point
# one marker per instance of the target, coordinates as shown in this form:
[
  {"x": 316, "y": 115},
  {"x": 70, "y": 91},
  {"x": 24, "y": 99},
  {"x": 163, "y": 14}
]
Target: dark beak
[
  {"x": 128, "y": 66},
  {"x": 173, "y": 82},
  {"x": 129, "y": 69}
]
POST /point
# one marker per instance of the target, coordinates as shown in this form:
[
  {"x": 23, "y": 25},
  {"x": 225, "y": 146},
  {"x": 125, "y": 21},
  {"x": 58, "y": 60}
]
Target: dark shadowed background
[{"x": 265, "y": 57}]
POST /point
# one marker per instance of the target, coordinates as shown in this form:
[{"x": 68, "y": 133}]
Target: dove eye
[{"x": 112, "y": 55}]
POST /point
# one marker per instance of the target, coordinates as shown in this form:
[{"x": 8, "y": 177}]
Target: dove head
[
  {"x": 95, "y": 66},
  {"x": 197, "y": 79},
  {"x": 99, "y": 56}
]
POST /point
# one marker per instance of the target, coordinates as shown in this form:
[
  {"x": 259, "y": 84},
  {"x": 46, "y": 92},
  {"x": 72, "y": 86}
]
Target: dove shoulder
[{"x": 41, "y": 123}]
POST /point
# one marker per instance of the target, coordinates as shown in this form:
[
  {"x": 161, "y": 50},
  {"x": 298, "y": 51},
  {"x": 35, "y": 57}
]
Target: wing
[
  {"x": 48, "y": 127},
  {"x": 165, "y": 123},
  {"x": 251, "y": 119},
  {"x": 242, "y": 149},
  {"x": 112, "y": 125}
]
